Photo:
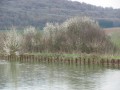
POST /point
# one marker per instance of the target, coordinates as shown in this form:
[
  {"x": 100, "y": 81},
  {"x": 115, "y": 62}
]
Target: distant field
[
  {"x": 112, "y": 30},
  {"x": 114, "y": 34}
]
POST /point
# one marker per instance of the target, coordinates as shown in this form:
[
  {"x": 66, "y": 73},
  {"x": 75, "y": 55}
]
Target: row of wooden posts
[{"x": 57, "y": 59}]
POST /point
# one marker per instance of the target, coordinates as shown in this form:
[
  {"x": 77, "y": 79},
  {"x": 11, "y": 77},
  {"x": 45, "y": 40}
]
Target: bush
[
  {"x": 12, "y": 42},
  {"x": 75, "y": 35},
  {"x": 78, "y": 34}
]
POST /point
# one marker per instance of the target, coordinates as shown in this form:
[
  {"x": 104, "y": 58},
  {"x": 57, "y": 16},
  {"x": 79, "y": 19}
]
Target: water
[{"x": 41, "y": 76}]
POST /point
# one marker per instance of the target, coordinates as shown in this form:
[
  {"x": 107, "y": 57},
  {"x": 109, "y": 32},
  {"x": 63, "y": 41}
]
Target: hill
[{"x": 36, "y": 13}]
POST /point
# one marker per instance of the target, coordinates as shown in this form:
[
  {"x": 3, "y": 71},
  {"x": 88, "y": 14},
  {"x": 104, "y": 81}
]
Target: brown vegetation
[
  {"x": 109, "y": 31},
  {"x": 76, "y": 35}
]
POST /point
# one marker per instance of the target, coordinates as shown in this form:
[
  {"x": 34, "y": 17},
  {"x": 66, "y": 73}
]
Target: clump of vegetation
[
  {"x": 75, "y": 35},
  {"x": 12, "y": 42}
]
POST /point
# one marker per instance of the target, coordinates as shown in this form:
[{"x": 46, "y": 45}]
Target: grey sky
[{"x": 103, "y": 3}]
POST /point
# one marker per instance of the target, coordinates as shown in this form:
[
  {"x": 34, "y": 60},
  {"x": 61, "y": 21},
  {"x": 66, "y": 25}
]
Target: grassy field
[{"x": 114, "y": 34}]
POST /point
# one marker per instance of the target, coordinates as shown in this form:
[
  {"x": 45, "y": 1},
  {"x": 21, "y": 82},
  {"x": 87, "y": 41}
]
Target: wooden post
[
  {"x": 27, "y": 58},
  {"x": 102, "y": 61},
  {"x": 93, "y": 61},
  {"x": 48, "y": 59},
  {"x": 88, "y": 61},
  {"x": 118, "y": 62},
  {"x": 72, "y": 61},
  {"x": 80, "y": 60},
  {"x": 107, "y": 62},
  {"x": 84, "y": 61},
  {"x": 68, "y": 61},
  {"x": 76, "y": 61},
  {"x": 113, "y": 62},
  {"x": 61, "y": 59}
]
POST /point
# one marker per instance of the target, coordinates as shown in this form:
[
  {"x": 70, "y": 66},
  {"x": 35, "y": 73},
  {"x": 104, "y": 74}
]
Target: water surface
[{"x": 43, "y": 76}]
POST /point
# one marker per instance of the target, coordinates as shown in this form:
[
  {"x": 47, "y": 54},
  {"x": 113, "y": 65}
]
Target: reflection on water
[{"x": 41, "y": 76}]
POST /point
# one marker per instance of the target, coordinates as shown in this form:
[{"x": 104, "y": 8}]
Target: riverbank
[{"x": 64, "y": 58}]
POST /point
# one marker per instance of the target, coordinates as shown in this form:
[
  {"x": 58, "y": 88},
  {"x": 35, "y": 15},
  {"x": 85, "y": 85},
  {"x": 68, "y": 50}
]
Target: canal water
[{"x": 46, "y": 76}]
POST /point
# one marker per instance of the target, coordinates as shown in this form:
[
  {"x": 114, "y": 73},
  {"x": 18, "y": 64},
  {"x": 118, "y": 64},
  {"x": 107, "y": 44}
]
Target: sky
[{"x": 103, "y": 3}]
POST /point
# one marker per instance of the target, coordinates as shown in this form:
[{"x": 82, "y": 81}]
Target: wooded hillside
[{"x": 22, "y": 13}]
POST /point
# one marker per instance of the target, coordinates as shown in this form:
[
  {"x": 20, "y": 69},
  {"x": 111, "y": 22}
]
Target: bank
[{"x": 86, "y": 59}]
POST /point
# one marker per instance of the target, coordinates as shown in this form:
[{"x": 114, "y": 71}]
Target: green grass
[
  {"x": 114, "y": 34},
  {"x": 115, "y": 37},
  {"x": 56, "y": 54},
  {"x": 64, "y": 55}
]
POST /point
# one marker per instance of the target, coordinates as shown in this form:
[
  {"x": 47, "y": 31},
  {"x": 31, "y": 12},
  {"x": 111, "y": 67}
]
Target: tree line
[
  {"x": 36, "y": 13},
  {"x": 75, "y": 35}
]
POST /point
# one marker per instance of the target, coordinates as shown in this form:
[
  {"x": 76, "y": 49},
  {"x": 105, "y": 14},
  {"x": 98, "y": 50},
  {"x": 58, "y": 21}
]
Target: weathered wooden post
[
  {"x": 65, "y": 60},
  {"x": 61, "y": 59},
  {"x": 88, "y": 61},
  {"x": 26, "y": 57},
  {"x": 76, "y": 61},
  {"x": 48, "y": 59},
  {"x": 41, "y": 58},
  {"x": 58, "y": 59},
  {"x": 113, "y": 62},
  {"x": 51, "y": 59},
  {"x": 80, "y": 60},
  {"x": 10, "y": 57},
  {"x": 93, "y": 61},
  {"x": 84, "y": 61},
  {"x": 38, "y": 58},
  {"x": 32, "y": 58},
  {"x": 68, "y": 61},
  {"x": 54, "y": 59},
  {"x": 1, "y": 57},
  {"x": 107, "y": 62},
  {"x": 44, "y": 59},
  {"x": 118, "y": 62},
  {"x": 20, "y": 58},
  {"x": 102, "y": 61},
  {"x": 72, "y": 60}
]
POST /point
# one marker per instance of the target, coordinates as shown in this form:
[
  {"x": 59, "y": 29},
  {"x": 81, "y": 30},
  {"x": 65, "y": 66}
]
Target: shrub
[{"x": 12, "y": 42}]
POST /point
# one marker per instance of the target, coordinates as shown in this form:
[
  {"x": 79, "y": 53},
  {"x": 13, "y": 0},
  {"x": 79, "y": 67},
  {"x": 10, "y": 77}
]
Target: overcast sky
[{"x": 103, "y": 3}]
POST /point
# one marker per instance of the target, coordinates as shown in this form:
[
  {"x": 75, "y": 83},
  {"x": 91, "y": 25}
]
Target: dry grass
[
  {"x": 110, "y": 31},
  {"x": 114, "y": 34}
]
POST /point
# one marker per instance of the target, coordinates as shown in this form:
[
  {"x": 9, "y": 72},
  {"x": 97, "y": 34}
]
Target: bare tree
[{"x": 29, "y": 39}]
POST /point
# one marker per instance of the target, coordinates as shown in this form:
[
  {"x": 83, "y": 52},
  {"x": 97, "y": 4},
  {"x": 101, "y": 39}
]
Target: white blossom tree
[{"x": 12, "y": 42}]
